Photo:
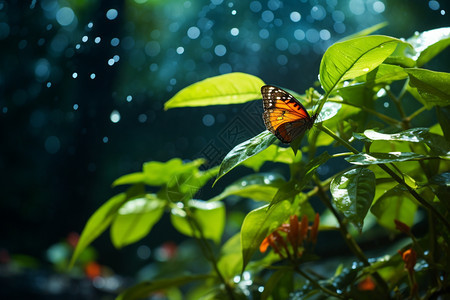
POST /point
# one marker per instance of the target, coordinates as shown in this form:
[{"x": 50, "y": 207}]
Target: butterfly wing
[{"x": 283, "y": 115}]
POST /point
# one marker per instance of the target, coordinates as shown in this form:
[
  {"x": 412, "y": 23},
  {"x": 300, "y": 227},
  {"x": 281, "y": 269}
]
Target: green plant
[{"x": 390, "y": 171}]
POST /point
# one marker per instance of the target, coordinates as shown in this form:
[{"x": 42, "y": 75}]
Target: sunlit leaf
[
  {"x": 434, "y": 87},
  {"x": 430, "y": 43},
  {"x": 402, "y": 56},
  {"x": 209, "y": 216},
  {"x": 384, "y": 74},
  {"x": 232, "y": 88},
  {"x": 353, "y": 58},
  {"x": 144, "y": 289},
  {"x": 395, "y": 204},
  {"x": 157, "y": 173},
  {"x": 353, "y": 193},
  {"x": 135, "y": 219},
  {"x": 258, "y": 224},
  {"x": 383, "y": 158},
  {"x": 98, "y": 223},
  {"x": 245, "y": 150},
  {"x": 260, "y": 187}
]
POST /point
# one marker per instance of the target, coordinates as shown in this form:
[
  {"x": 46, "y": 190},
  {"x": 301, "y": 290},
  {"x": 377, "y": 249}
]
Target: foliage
[{"x": 392, "y": 171}]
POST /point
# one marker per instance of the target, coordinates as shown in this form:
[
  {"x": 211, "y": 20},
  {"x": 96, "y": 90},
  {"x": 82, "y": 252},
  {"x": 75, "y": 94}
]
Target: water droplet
[
  {"x": 74, "y": 75},
  {"x": 65, "y": 16},
  {"x": 90, "y": 25},
  {"x": 116, "y": 58},
  {"x": 77, "y": 46},
  {"x": 366, "y": 70},
  {"x": 52, "y": 144},
  {"x": 142, "y": 118},
  {"x": 115, "y": 116},
  {"x": 111, "y": 14},
  {"x": 115, "y": 42}
]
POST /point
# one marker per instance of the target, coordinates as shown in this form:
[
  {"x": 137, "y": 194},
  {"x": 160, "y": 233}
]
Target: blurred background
[{"x": 83, "y": 84}]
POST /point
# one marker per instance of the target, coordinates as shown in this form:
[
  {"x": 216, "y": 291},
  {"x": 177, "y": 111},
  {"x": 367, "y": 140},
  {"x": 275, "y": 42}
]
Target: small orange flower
[
  {"x": 410, "y": 258},
  {"x": 366, "y": 284},
  {"x": 294, "y": 234},
  {"x": 92, "y": 270}
]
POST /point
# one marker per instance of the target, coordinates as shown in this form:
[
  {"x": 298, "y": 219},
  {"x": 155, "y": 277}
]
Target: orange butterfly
[{"x": 284, "y": 115}]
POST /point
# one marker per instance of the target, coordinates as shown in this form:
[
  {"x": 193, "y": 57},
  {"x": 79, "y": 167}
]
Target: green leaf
[
  {"x": 259, "y": 187},
  {"x": 415, "y": 135},
  {"x": 135, "y": 219},
  {"x": 210, "y": 217},
  {"x": 443, "y": 117},
  {"x": 98, "y": 223},
  {"x": 395, "y": 204},
  {"x": 230, "y": 261},
  {"x": 273, "y": 153},
  {"x": 329, "y": 110},
  {"x": 258, "y": 224},
  {"x": 353, "y": 193},
  {"x": 434, "y": 87},
  {"x": 232, "y": 88},
  {"x": 353, "y": 58},
  {"x": 430, "y": 43},
  {"x": 384, "y": 74},
  {"x": 144, "y": 289},
  {"x": 384, "y": 158},
  {"x": 157, "y": 173},
  {"x": 245, "y": 150}
]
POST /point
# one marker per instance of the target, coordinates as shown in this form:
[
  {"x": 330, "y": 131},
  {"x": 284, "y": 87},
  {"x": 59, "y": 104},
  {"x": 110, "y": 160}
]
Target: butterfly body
[{"x": 284, "y": 115}]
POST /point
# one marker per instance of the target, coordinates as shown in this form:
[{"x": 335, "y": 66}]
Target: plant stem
[
  {"x": 416, "y": 113},
  {"x": 383, "y": 117},
  {"x": 349, "y": 240},
  {"x": 207, "y": 251},
  {"x": 392, "y": 174},
  {"x": 398, "y": 104},
  {"x": 317, "y": 285}
]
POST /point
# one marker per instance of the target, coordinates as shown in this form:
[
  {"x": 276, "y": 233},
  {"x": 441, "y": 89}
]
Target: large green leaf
[
  {"x": 210, "y": 217},
  {"x": 157, "y": 173},
  {"x": 434, "y": 87},
  {"x": 353, "y": 193},
  {"x": 415, "y": 135},
  {"x": 383, "y": 158},
  {"x": 430, "y": 43},
  {"x": 135, "y": 219},
  {"x": 230, "y": 260},
  {"x": 144, "y": 289},
  {"x": 98, "y": 223},
  {"x": 245, "y": 150},
  {"x": 258, "y": 224},
  {"x": 384, "y": 74},
  {"x": 395, "y": 204},
  {"x": 353, "y": 58},
  {"x": 260, "y": 187},
  {"x": 232, "y": 88}
]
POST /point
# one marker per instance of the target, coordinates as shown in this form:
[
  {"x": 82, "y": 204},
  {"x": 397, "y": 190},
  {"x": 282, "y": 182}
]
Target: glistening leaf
[
  {"x": 384, "y": 158},
  {"x": 209, "y": 217},
  {"x": 353, "y": 193},
  {"x": 232, "y": 88},
  {"x": 244, "y": 151},
  {"x": 353, "y": 58},
  {"x": 429, "y": 43},
  {"x": 434, "y": 87}
]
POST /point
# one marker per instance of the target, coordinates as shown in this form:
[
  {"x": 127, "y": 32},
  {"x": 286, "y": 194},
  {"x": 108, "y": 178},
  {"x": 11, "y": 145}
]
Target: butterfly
[{"x": 284, "y": 115}]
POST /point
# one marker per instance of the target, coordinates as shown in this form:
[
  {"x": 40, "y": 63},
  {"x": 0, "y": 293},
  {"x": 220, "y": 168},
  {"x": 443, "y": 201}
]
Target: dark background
[{"x": 61, "y": 146}]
